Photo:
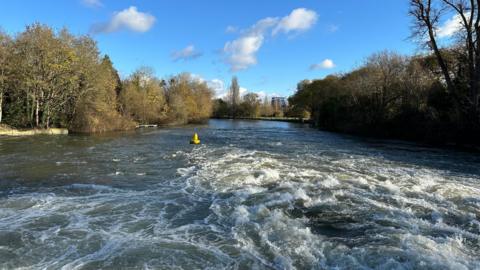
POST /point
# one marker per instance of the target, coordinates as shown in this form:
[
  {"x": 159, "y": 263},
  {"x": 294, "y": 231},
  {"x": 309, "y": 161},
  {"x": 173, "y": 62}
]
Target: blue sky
[{"x": 270, "y": 44}]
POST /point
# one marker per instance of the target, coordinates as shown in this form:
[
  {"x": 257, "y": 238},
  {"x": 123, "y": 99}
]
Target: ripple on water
[{"x": 245, "y": 204}]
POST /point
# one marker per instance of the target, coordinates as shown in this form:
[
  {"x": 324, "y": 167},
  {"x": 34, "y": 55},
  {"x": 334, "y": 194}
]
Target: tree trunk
[
  {"x": 1, "y": 106},
  {"x": 441, "y": 62},
  {"x": 31, "y": 109},
  {"x": 48, "y": 118},
  {"x": 37, "y": 109}
]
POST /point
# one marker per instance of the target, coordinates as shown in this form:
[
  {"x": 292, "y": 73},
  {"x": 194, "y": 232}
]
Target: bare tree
[
  {"x": 386, "y": 69},
  {"x": 4, "y": 45},
  {"x": 427, "y": 15}
]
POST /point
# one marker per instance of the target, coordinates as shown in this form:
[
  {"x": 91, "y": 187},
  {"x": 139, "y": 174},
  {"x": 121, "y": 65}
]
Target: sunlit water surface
[{"x": 254, "y": 195}]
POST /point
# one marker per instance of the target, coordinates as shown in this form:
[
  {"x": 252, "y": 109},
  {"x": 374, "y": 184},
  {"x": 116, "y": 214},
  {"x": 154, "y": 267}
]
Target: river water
[{"x": 254, "y": 195}]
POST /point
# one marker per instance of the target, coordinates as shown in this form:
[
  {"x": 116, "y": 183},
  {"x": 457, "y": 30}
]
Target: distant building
[{"x": 279, "y": 103}]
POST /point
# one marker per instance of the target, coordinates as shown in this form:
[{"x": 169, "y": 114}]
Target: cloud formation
[
  {"x": 127, "y": 19},
  {"x": 92, "y": 3},
  {"x": 218, "y": 86},
  {"x": 300, "y": 19},
  {"x": 332, "y": 28},
  {"x": 450, "y": 27},
  {"x": 325, "y": 64},
  {"x": 231, "y": 29},
  {"x": 241, "y": 53},
  {"x": 188, "y": 53},
  {"x": 221, "y": 89}
]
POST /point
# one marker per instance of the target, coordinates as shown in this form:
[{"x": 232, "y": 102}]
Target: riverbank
[
  {"x": 382, "y": 134},
  {"x": 6, "y": 130},
  {"x": 9, "y": 131}
]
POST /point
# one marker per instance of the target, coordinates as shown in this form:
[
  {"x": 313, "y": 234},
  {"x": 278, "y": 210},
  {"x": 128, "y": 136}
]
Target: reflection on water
[{"x": 255, "y": 194}]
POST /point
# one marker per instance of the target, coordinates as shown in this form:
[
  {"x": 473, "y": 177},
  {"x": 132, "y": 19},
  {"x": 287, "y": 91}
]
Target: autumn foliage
[{"x": 55, "y": 79}]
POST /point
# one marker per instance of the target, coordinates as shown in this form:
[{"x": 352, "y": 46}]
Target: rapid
[{"x": 253, "y": 195}]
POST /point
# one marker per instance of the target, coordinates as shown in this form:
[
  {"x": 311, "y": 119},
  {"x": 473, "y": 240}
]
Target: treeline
[
  {"x": 56, "y": 79},
  {"x": 250, "y": 105},
  {"x": 432, "y": 97},
  {"x": 390, "y": 95}
]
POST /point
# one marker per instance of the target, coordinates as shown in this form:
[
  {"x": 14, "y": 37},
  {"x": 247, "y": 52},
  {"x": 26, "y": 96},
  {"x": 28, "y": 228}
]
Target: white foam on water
[
  {"x": 329, "y": 182},
  {"x": 241, "y": 215},
  {"x": 238, "y": 208},
  {"x": 185, "y": 171},
  {"x": 91, "y": 186},
  {"x": 266, "y": 175},
  {"x": 288, "y": 243}
]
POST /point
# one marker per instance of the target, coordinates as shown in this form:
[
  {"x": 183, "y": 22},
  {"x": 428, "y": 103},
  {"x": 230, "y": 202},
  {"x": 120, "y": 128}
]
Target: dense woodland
[
  {"x": 432, "y": 97},
  {"x": 56, "y": 79}
]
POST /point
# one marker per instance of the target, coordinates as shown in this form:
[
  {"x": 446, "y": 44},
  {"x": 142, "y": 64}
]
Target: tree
[
  {"x": 386, "y": 70},
  {"x": 53, "y": 78},
  {"x": 251, "y": 105},
  {"x": 266, "y": 109},
  {"x": 466, "y": 73},
  {"x": 44, "y": 74},
  {"x": 189, "y": 100},
  {"x": 118, "y": 89},
  {"x": 143, "y": 97},
  {"x": 96, "y": 105},
  {"x": 234, "y": 96},
  {"x": 220, "y": 108},
  {"x": 5, "y": 47}
]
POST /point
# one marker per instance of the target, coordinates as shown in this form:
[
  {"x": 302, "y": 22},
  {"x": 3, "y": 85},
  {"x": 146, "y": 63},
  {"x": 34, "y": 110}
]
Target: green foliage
[{"x": 220, "y": 108}]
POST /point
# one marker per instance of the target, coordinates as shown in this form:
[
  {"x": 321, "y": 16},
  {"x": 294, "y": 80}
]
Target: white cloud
[
  {"x": 325, "y": 64},
  {"x": 242, "y": 91},
  {"x": 129, "y": 19},
  {"x": 332, "y": 28},
  {"x": 221, "y": 88},
  {"x": 300, "y": 19},
  {"x": 218, "y": 86},
  {"x": 231, "y": 29},
  {"x": 241, "y": 53},
  {"x": 261, "y": 94},
  {"x": 185, "y": 54},
  {"x": 92, "y": 3},
  {"x": 197, "y": 77},
  {"x": 263, "y": 25},
  {"x": 450, "y": 27}
]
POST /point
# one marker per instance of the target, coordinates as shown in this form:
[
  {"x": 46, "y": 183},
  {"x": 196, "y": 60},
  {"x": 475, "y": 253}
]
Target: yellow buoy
[{"x": 195, "y": 139}]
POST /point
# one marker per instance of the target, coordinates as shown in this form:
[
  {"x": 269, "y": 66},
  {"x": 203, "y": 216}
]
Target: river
[{"x": 254, "y": 195}]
